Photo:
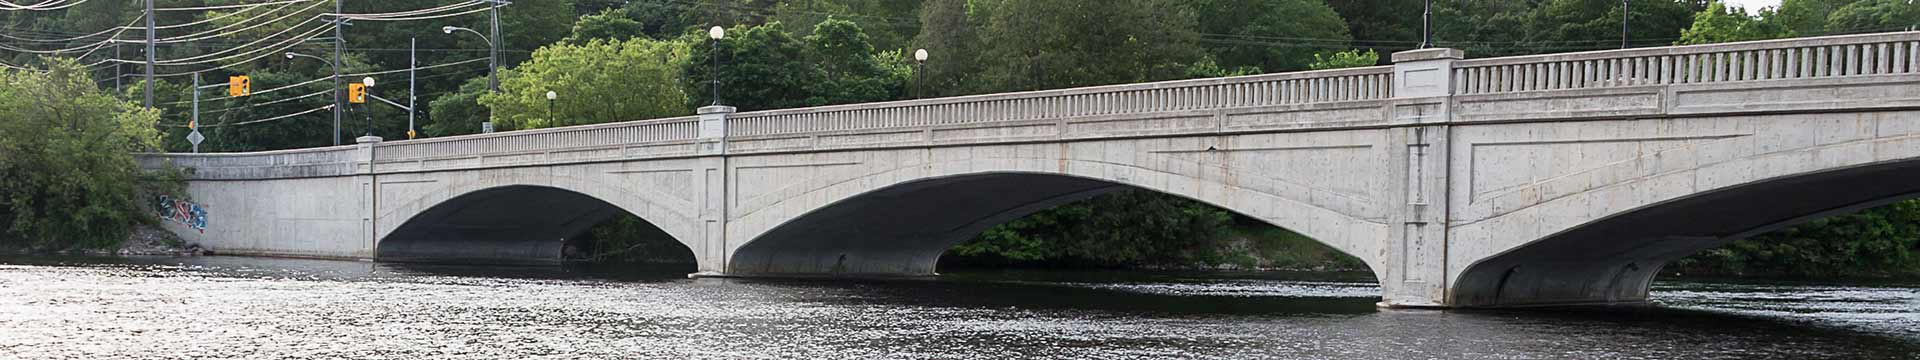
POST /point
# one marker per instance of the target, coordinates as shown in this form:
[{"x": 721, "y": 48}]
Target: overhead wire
[{"x": 48, "y": 5}]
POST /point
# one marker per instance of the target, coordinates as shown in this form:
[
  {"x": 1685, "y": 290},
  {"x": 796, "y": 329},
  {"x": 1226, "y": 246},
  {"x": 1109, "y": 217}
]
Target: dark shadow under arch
[
  {"x": 903, "y": 229},
  {"x": 1615, "y": 259},
  {"x": 517, "y": 224}
]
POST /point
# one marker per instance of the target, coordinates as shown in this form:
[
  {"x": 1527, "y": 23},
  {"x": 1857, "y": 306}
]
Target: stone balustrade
[
  {"x": 1803, "y": 58},
  {"x": 1776, "y": 75}
]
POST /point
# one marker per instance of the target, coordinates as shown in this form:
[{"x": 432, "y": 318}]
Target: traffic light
[
  {"x": 357, "y": 93},
  {"x": 238, "y": 86}
]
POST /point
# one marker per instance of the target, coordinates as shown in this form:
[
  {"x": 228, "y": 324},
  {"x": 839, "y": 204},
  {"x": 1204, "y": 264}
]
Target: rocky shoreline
[{"x": 142, "y": 240}]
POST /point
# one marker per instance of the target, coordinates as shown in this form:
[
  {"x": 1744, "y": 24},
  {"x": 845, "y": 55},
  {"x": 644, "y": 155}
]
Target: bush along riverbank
[{"x": 1145, "y": 230}]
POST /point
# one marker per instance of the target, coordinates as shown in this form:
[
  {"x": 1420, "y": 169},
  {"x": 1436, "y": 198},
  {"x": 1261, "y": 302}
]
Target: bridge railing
[
  {"x": 1369, "y": 83},
  {"x": 679, "y": 129},
  {"x": 312, "y": 162},
  {"x": 1822, "y": 57}
]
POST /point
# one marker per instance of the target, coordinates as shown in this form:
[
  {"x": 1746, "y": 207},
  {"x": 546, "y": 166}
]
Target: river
[{"x": 233, "y": 307}]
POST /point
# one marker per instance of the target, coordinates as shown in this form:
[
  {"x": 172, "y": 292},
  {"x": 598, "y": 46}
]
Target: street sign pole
[{"x": 193, "y": 124}]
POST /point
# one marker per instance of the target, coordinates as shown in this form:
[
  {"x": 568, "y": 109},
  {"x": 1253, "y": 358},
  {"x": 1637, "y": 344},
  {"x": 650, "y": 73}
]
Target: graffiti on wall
[{"x": 183, "y": 212}]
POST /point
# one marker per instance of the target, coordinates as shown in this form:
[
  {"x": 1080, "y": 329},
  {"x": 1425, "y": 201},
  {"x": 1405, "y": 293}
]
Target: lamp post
[
  {"x": 550, "y": 96},
  {"x": 368, "y": 81},
  {"x": 716, "y": 33},
  {"x": 337, "y": 104},
  {"x": 493, "y": 61},
  {"x": 1426, "y": 26},
  {"x": 919, "y": 73},
  {"x": 1623, "y": 22}
]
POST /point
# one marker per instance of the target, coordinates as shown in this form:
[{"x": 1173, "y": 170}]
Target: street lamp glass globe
[
  {"x": 920, "y": 55},
  {"x": 368, "y": 81},
  {"x": 717, "y": 33},
  {"x": 289, "y": 55},
  {"x": 551, "y": 95},
  {"x": 447, "y": 29}
]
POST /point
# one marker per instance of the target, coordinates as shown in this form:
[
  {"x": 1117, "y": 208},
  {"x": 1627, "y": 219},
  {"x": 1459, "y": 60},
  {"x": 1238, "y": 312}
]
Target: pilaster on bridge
[{"x": 1530, "y": 180}]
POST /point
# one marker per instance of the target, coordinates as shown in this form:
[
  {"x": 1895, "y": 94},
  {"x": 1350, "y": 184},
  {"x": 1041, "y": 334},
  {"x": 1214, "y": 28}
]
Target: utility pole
[
  {"x": 150, "y": 51},
  {"x": 493, "y": 75},
  {"x": 338, "y": 42},
  {"x": 413, "y": 62}
]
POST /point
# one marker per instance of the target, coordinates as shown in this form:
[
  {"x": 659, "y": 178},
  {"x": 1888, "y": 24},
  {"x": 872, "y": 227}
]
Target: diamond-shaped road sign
[{"x": 195, "y": 137}]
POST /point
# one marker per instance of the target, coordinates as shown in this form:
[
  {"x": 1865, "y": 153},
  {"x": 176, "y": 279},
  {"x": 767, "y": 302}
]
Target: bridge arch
[
  {"x": 1627, "y": 229},
  {"x": 899, "y": 219},
  {"x": 510, "y": 217}
]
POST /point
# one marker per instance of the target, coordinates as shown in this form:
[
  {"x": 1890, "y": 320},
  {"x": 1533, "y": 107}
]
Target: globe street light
[
  {"x": 368, "y": 81},
  {"x": 716, "y": 33},
  {"x": 919, "y": 77},
  {"x": 550, "y": 96},
  {"x": 337, "y": 104}
]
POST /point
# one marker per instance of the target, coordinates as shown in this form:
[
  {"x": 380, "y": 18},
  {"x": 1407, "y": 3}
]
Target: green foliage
[
  {"x": 1876, "y": 242},
  {"x": 1872, "y": 16},
  {"x": 1344, "y": 59},
  {"x": 1247, "y": 29},
  {"x": 1126, "y": 228},
  {"x": 1048, "y": 44},
  {"x": 597, "y": 82},
  {"x": 630, "y": 239},
  {"x": 458, "y": 113},
  {"x": 764, "y": 67},
  {"x": 67, "y": 175},
  {"x": 1486, "y": 28},
  {"x": 1718, "y": 24},
  {"x": 614, "y": 24}
]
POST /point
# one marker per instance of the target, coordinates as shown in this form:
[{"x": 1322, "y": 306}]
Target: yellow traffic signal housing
[
  {"x": 357, "y": 93},
  {"x": 238, "y": 86}
]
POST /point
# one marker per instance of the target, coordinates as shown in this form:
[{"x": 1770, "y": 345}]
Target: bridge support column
[
  {"x": 369, "y": 184},
  {"x": 712, "y": 185},
  {"x": 1415, "y": 273}
]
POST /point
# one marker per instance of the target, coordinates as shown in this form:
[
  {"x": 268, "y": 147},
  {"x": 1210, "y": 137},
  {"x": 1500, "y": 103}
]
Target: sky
[{"x": 1752, "y": 5}]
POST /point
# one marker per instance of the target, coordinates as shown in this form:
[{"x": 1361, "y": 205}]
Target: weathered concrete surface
[{"x": 1537, "y": 180}]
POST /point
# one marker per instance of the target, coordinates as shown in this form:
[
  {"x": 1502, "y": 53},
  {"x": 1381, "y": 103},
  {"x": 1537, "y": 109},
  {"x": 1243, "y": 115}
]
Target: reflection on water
[{"x": 221, "y": 307}]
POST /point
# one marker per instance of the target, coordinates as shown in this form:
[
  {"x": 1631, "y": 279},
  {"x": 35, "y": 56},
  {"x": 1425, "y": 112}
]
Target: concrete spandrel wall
[
  {"x": 1319, "y": 184},
  {"x": 307, "y": 217},
  {"x": 1575, "y": 199}
]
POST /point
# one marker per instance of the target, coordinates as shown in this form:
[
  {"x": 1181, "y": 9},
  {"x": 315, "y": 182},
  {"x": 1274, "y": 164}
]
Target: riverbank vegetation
[
  {"x": 68, "y": 179},
  {"x": 611, "y": 61}
]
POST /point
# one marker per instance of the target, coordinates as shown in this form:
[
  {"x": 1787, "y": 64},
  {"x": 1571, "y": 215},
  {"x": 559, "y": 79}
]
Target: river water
[{"x": 229, "y": 307}]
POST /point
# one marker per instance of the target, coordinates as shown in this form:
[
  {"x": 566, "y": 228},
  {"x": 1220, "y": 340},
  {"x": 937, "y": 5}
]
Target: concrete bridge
[{"x": 1552, "y": 179}]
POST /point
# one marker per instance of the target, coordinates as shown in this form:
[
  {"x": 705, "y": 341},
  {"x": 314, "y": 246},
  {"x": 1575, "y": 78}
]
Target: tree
[
  {"x": 597, "y": 82},
  {"x": 949, "y": 33},
  {"x": 67, "y": 174},
  {"x": 1050, "y": 44},
  {"x": 1872, "y": 16},
  {"x": 1271, "y": 35},
  {"x": 849, "y": 70},
  {"x": 1718, "y": 24},
  {"x": 765, "y": 68},
  {"x": 1807, "y": 17},
  {"x": 458, "y": 113},
  {"x": 1344, "y": 59},
  {"x": 613, "y": 24}
]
